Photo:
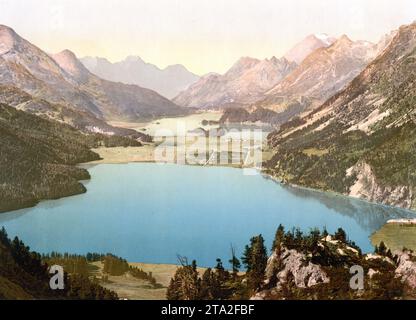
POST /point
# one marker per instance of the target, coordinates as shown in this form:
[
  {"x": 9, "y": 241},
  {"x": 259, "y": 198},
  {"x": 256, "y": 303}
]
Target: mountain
[
  {"x": 67, "y": 82},
  {"x": 322, "y": 73},
  {"x": 326, "y": 66},
  {"x": 81, "y": 120},
  {"x": 241, "y": 85},
  {"x": 361, "y": 141},
  {"x": 133, "y": 70},
  {"x": 121, "y": 100},
  {"x": 308, "y": 45}
]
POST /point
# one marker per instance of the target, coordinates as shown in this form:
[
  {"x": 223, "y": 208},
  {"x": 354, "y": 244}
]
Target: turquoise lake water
[{"x": 152, "y": 213}]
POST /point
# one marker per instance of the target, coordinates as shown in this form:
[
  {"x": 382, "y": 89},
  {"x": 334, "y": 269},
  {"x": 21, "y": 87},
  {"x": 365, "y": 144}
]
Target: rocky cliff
[{"x": 322, "y": 271}]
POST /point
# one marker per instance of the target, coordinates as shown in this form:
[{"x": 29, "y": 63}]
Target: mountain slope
[
  {"x": 361, "y": 141},
  {"x": 67, "y": 82},
  {"x": 24, "y": 276},
  {"x": 133, "y": 70},
  {"x": 322, "y": 73},
  {"x": 81, "y": 120},
  {"x": 242, "y": 85},
  {"x": 308, "y": 45}
]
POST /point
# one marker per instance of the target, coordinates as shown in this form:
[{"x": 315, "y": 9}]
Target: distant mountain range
[
  {"x": 361, "y": 141},
  {"x": 242, "y": 85},
  {"x": 63, "y": 80},
  {"x": 322, "y": 73},
  {"x": 320, "y": 67},
  {"x": 133, "y": 70}
]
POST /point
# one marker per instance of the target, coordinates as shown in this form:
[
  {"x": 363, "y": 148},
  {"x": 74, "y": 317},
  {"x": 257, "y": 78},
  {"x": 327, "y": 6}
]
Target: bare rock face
[
  {"x": 295, "y": 264},
  {"x": 367, "y": 187},
  {"x": 406, "y": 268}
]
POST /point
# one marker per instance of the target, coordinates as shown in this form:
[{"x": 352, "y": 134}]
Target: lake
[{"x": 151, "y": 213}]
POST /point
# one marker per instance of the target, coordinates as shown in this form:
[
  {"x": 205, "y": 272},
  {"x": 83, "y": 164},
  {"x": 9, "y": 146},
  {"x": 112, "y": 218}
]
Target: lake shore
[
  {"x": 117, "y": 155},
  {"x": 396, "y": 236}
]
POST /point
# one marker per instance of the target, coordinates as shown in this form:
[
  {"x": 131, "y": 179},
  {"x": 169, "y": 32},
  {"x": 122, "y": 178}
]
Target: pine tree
[
  {"x": 255, "y": 260},
  {"x": 185, "y": 285},
  {"x": 235, "y": 263},
  {"x": 246, "y": 258},
  {"x": 207, "y": 291},
  {"x": 278, "y": 238},
  {"x": 340, "y": 235},
  {"x": 382, "y": 249},
  {"x": 325, "y": 232}
]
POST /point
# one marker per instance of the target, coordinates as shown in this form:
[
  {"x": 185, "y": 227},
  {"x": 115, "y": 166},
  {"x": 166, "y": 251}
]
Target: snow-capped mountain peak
[
  {"x": 324, "y": 38},
  {"x": 308, "y": 45}
]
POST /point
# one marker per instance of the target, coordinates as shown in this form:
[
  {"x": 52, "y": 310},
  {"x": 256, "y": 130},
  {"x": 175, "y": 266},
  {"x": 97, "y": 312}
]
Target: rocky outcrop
[
  {"x": 303, "y": 268},
  {"x": 297, "y": 266},
  {"x": 367, "y": 187},
  {"x": 406, "y": 268}
]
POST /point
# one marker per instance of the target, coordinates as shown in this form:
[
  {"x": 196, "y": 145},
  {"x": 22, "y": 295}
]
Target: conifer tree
[
  {"x": 255, "y": 260},
  {"x": 185, "y": 285},
  {"x": 340, "y": 235},
  {"x": 235, "y": 263},
  {"x": 278, "y": 238}
]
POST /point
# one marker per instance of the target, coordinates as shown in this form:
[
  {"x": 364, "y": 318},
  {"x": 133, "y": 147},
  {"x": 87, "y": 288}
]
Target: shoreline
[
  {"x": 333, "y": 193},
  {"x": 145, "y": 154}
]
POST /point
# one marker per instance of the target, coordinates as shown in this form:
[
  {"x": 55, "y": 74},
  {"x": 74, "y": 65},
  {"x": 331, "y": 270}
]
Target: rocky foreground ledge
[{"x": 331, "y": 269}]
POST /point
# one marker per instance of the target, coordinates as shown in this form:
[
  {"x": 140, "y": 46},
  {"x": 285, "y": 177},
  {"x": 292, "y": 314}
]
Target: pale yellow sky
[{"x": 204, "y": 35}]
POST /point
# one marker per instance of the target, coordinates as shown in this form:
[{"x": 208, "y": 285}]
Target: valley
[{"x": 106, "y": 157}]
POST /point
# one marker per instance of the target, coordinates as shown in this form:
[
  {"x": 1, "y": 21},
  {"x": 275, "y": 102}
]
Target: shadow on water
[
  {"x": 13, "y": 215},
  {"x": 370, "y": 216}
]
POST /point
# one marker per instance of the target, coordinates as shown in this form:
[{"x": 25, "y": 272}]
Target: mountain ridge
[
  {"x": 37, "y": 73},
  {"x": 240, "y": 86},
  {"x": 168, "y": 81}
]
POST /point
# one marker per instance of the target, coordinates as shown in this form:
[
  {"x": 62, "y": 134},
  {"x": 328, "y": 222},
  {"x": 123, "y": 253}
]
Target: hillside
[
  {"x": 81, "y": 120},
  {"x": 23, "y": 276},
  {"x": 37, "y": 158},
  {"x": 133, "y": 70},
  {"x": 361, "y": 141}
]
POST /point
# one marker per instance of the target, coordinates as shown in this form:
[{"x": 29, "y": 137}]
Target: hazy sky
[{"x": 203, "y": 35}]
